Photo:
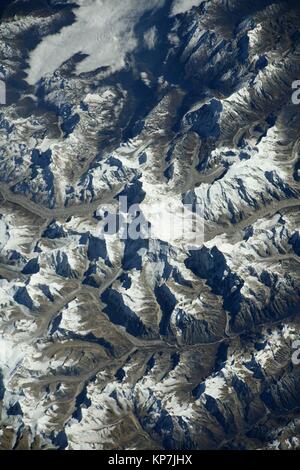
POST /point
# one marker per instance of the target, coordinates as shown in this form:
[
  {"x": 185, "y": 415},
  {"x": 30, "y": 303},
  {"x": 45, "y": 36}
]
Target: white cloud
[
  {"x": 104, "y": 30},
  {"x": 181, "y": 6},
  {"x": 150, "y": 37}
]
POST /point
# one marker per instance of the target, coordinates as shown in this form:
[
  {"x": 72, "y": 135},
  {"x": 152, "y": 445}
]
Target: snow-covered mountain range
[{"x": 121, "y": 343}]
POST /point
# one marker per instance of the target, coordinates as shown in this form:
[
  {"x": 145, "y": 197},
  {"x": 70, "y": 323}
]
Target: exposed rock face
[{"x": 115, "y": 343}]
